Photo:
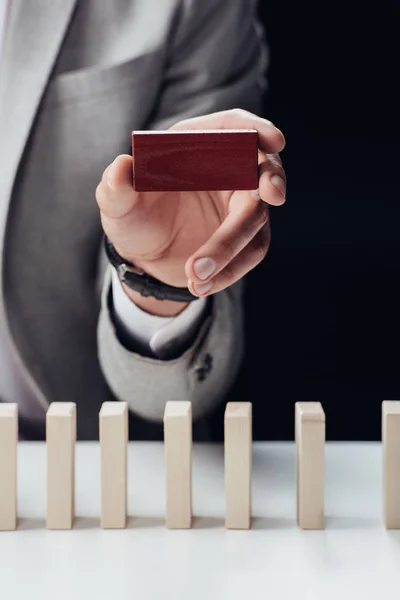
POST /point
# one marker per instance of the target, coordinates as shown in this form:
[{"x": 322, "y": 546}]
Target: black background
[{"x": 323, "y": 309}]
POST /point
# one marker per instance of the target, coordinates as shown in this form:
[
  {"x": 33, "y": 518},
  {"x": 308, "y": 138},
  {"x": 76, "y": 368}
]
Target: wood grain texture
[
  {"x": 178, "y": 464},
  {"x": 195, "y": 160},
  {"x": 391, "y": 463},
  {"x": 113, "y": 428},
  {"x": 8, "y": 466},
  {"x": 310, "y": 459},
  {"x": 238, "y": 460},
  {"x": 61, "y": 438}
]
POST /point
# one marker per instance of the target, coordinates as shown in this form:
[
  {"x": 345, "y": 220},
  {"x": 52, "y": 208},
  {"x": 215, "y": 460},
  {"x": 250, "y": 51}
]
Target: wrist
[
  {"x": 159, "y": 308},
  {"x": 143, "y": 284}
]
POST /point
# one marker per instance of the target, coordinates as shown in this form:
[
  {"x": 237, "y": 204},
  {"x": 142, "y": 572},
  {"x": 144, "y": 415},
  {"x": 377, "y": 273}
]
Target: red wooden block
[{"x": 195, "y": 160}]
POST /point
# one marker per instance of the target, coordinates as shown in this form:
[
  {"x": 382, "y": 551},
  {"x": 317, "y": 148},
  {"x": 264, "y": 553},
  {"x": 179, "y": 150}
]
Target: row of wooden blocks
[{"x": 113, "y": 420}]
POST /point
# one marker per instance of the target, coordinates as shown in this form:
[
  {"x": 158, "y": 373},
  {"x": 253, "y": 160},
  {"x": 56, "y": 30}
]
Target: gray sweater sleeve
[{"x": 202, "y": 374}]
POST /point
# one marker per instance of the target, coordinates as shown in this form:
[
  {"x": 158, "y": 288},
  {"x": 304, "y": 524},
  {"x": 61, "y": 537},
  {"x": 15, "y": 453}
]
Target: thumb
[
  {"x": 115, "y": 194},
  {"x": 125, "y": 213}
]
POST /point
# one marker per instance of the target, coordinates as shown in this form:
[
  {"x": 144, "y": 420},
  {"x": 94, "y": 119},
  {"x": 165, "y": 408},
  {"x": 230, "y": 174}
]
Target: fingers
[
  {"x": 272, "y": 180},
  {"x": 270, "y": 138},
  {"x": 243, "y": 262},
  {"x": 115, "y": 194},
  {"x": 245, "y": 219}
]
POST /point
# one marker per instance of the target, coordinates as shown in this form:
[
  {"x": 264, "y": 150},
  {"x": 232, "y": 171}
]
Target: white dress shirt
[{"x": 156, "y": 332}]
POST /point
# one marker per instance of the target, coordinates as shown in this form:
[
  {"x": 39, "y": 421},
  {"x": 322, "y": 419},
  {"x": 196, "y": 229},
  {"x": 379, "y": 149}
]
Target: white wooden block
[
  {"x": 178, "y": 463},
  {"x": 8, "y": 466},
  {"x": 114, "y": 448},
  {"x": 391, "y": 463},
  {"x": 238, "y": 454},
  {"x": 61, "y": 438},
  {"x": 310, "y": 451}
]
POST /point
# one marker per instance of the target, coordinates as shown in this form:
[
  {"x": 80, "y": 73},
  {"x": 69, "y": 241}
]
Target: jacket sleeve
[
  {"x": 217, "y": 59},
  {"x": 202, "y": 374}
]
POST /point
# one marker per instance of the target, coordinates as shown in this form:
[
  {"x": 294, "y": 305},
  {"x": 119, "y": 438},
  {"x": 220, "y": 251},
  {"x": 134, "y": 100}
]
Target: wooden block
[
  {"x": 178, "y": 464},
  {"x": 114, "y": 447},
  {"x": 8, "y": 466},
  {"x": 310, "y": 450},
  {"x": 195, "y": 160},
  {"x": 391, "y": 463},
  {"x": 61, "y": 438},
  {"x": 238, "y": 452}
]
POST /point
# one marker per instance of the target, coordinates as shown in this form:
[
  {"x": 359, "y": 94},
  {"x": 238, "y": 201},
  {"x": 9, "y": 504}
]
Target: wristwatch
[{"x": 141, "y": 282}]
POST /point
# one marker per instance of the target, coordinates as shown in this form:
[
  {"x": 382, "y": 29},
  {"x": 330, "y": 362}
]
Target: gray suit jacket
[{"x": 76, "y": 77}]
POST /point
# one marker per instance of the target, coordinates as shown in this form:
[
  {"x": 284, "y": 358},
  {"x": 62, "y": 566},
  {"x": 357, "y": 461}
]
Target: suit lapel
[{"x": 34, "y": 33}]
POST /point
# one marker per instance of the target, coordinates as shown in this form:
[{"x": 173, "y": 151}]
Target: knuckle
[
  {"x": 99, "y": 195},
  {"x": 262, "y": 214},
  {"x": 226, "y": 250},
  {"x": 260, "y": 253},
  {"x": 102, "y": 198},
  {"x": 274, "y": 163},
  {"x": 227, "y": 275},
  {"x": 275, "y": 160},
  {"x": 280, "y": 171},
  {"x": 272, "y": 169},
  {"x": 104, "y": 176},
  {"x": 236, "y": 112},
  {"x": 260, "y": 249}
]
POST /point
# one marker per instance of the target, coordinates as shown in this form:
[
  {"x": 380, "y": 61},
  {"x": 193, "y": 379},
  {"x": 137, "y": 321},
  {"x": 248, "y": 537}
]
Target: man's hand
[{"x": 203, "y": 240}]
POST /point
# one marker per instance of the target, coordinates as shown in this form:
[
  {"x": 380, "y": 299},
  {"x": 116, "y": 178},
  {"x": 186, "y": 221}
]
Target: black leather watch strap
[{"x": 141, "y": 282}]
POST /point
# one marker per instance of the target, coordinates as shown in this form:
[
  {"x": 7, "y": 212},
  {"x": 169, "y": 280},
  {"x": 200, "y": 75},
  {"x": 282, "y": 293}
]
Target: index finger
[{"x": 270, "y": 139}]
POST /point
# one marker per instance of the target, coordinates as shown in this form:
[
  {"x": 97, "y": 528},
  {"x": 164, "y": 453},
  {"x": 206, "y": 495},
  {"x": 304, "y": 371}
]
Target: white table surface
[{"x": 354, "y": 558}]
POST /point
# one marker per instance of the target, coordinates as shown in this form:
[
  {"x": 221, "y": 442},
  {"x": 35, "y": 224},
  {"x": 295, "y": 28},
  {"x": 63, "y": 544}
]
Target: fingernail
[
  {"x": 204, "y": 267},
  {"x": 109, "y": 175},
  {"x": 279, "y": 183},
  {"x": 202, "y": 288}
]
